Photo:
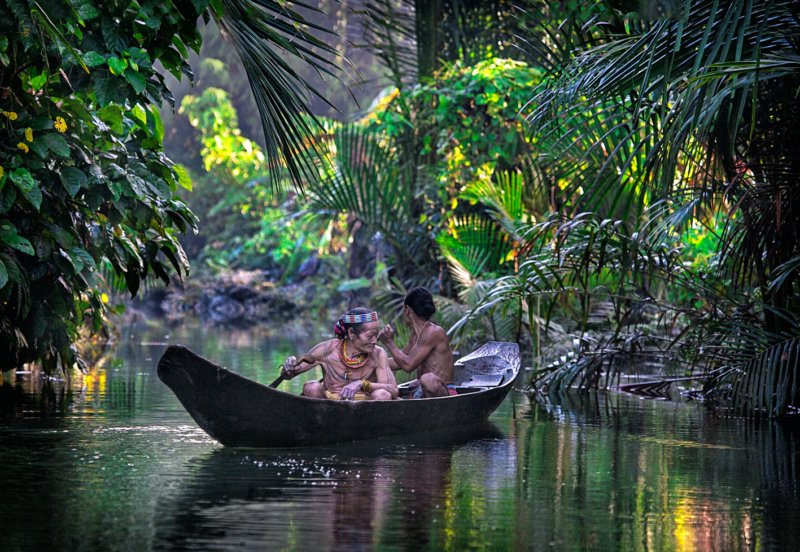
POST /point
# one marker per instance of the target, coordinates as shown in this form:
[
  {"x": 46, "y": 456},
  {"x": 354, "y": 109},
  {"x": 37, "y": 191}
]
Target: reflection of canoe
[{"x": 237, "y": 411}]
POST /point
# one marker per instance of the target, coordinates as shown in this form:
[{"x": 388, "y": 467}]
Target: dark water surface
[{"x": 113, "y": 462}]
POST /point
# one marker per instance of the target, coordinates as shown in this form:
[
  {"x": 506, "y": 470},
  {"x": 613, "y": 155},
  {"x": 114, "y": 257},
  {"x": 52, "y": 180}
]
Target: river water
[{"x": 111, "y": 461}]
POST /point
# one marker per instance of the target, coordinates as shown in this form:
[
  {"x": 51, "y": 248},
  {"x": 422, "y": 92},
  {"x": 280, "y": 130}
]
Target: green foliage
[
  {"x": 440, "y": 139},
  {"x": 83, "y": 179},
  {"x": 244, "y": 222},
  {"x": 467, "y": 121},
  {"x": 363, "y": 177},
  {"x": 671, "y": 108},
  {"x": 681, "y": 126}
]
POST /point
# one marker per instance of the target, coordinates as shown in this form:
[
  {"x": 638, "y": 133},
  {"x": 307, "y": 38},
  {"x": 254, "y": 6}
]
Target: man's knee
[
  {"x": 431, "y": 384},
  {"x": 314, "y": 390},
  {"x": 380, "y": 395}
]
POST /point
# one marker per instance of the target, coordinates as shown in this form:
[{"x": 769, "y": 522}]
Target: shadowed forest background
[{"x": 611, "y": 184}]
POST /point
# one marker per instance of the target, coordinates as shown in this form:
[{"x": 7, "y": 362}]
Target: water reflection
[
  {"x": 112, "y": 461},
  {"x": 343, "y": 497},
  {"x": 652, "y": 475}
]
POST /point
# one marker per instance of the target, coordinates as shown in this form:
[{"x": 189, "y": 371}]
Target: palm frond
[
  {"x": 765, "y": 384},
  {"x": 391, "y": 36},
  {"x": 651, "y": 118},
  {"x": 477, "y": 243},
  {"x": 504, "y": 197},
  {"x": 364, "y": 178},
  {"x": 266, "y": 33}
]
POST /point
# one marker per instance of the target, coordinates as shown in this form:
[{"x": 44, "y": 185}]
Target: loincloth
[{"x": 334, "y": 396}]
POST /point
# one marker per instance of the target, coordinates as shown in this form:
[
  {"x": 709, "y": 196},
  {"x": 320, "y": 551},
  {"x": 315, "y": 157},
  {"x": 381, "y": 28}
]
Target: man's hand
[
  {"x": 348, "y": 392},
  {"x": 386, "y": 334},
  {"x": 288, "y": 367}
]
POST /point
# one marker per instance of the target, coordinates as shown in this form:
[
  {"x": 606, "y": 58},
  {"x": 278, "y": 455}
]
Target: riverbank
[{"x": 241, "y": 299}]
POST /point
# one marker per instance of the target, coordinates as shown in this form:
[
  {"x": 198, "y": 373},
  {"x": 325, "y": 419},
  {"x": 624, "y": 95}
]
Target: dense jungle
[{"x": 613, "y": 185}]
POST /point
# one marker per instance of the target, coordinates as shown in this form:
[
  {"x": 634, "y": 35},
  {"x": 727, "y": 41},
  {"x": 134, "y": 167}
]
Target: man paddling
[
  {"x": 353, "y": 367},
  {"x": 427, "y": 351}
]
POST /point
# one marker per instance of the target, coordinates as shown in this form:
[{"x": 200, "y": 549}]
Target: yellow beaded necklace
[{"x": 353, "y": 363}]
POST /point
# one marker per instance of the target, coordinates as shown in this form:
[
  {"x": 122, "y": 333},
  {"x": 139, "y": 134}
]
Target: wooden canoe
[{"x": 239, "y": 412}]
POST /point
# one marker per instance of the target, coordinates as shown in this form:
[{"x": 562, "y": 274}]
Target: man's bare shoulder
[
  {"x": 323, "y": 349},
  {"x": 438, "y": 333},
  {"x": 380, "y": 353}
]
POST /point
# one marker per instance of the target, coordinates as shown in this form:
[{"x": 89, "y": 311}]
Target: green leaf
[
  {"x": 136, "y": 80},
  {"x": 109, "y": 89},
  {"x": 23, "y": 179},
  {"x": 183, "y": 177},
  {"x": 73, "y": 180},
  {"x": 117, "y": 66},
  {"x": 3, "y": 275},
  {"x": 112, "y": 35},
  {"x": 40, "y": 123},
  {"x": 87, "y": 11},
  {"x": 35, "y": 197},
  {"x": 57, "y": 144},
  {"x": 83, "y": 256},
  {"x": 39, "y": 81},
  {"x": 158, "y": 124},
  {"x": 79, "y": 259},
  {"x": 39, "y": 147},
  {"x": 139, "y": 114},
  {"x": 112, "y": 116},
  {"x": 63, "y": 237},
  {"x": 9, "y": 236},
  {"x": 93, "y": 59},
  {"x": 140, "y": 57}
]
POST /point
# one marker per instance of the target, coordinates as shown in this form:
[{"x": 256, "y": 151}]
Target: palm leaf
[
  {"x": 766, "y": 384},
  {"x": 477, "y": 243},
  {"x": 645, "y": 97},
  {"x": 266, "y": 33},
  {"x": 364, "y": 178}
]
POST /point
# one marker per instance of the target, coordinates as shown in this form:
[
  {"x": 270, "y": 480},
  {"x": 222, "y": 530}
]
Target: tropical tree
[
  {"x": 85, "y": 189},
  {"x": 697, "y": 109}
]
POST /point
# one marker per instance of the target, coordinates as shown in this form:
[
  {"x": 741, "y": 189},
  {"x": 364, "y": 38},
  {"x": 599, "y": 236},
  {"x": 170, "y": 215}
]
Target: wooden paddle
[{"x": 282, "y": 376}]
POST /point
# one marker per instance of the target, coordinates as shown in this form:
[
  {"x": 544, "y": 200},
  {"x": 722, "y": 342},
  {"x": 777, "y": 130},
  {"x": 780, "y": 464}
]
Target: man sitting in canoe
[
  {"x": 353, "y": 367},
  {"x": 428, "y": 348}
]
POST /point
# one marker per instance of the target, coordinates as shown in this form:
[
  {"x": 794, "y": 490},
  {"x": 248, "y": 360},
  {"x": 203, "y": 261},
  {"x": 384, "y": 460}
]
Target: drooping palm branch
[
  {"x": 675, "y": 104},
  {"x": 266, "y": 34}
]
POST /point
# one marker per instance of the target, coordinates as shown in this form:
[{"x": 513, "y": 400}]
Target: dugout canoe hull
[{"x": 239, "y": 412}]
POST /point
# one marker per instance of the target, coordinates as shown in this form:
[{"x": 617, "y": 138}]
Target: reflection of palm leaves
[{"x": 365, "y": 179}]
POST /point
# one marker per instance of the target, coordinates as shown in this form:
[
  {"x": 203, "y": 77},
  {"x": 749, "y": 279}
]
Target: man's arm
[
  {"x": 385, "y": 376},
  {"x": 408, "y": 361},
  {"x": 294, "y": 366}
]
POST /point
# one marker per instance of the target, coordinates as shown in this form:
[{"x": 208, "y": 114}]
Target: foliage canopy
[{"x": 85, "y": 190}]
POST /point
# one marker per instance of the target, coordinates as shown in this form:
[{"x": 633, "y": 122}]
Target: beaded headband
[{"x": 359, "y": 318}]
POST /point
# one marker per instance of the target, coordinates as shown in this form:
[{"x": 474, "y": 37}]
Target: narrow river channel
[{"x": 113, "y": 462}]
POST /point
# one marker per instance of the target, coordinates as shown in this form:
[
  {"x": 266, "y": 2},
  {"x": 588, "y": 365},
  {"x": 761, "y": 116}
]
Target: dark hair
[
  {"x": 340, "y": 328},
  {"x": 420, "y": 301}
]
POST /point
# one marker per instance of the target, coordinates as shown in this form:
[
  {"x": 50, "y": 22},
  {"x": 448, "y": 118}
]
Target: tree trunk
[{"x": 427, "y": 18}]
